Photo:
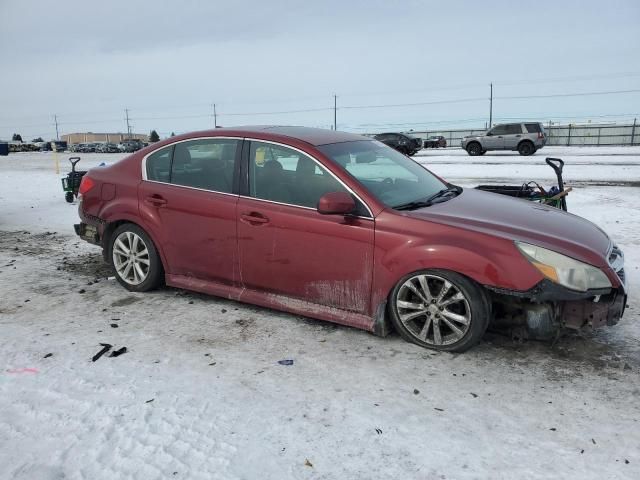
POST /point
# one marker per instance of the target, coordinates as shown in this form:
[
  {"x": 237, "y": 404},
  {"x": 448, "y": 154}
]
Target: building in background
[{"x": 91, "y": 137}]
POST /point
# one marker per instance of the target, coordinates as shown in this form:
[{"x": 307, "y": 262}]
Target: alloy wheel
[
  {"x": 433, "y": 309},
  {"x": 131, "y": 258}
]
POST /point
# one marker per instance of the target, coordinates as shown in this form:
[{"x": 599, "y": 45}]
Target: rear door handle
[
  {"x": 254, "y": 218},
  {"x": 518, "y": 135},
  {"x": 155, "y": 200}
]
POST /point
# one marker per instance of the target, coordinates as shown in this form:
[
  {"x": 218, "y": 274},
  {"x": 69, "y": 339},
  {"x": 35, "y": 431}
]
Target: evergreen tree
[
  {"x": 173, "y": 134},
  {"x": 16, "y": 137},
  {"x": 153, "y": 136},
  {"x": 39, "y": 139}
]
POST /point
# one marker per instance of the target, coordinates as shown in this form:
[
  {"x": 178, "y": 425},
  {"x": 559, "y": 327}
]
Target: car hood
[{"x": 523, "y": 220}]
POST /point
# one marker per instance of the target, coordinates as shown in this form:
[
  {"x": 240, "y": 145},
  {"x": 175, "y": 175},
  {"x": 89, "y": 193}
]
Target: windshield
[{"x": 390, "y": 176}]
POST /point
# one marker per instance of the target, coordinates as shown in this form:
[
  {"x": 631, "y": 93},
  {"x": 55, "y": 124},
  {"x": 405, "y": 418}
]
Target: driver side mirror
[{"x": 336, "y": 203}]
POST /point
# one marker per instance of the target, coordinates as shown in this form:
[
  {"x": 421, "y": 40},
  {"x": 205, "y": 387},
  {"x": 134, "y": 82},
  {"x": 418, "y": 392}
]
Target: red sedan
[{"x": 341, "y": 227}]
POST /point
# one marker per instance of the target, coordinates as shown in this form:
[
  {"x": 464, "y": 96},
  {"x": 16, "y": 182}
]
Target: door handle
[
  {"x": 155, "y": 200},
  {"x": 254, "y": 218},
  {"x": 518, "y": 135}
]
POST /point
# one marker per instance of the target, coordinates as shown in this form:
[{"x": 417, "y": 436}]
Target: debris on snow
[
  {"x": 117, "y": 353},
  {"x": 285, "y": 362},
  {"x": 105, "y": 348}
]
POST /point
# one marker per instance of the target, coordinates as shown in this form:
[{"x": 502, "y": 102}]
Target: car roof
[{"x": 313, "y": 136}]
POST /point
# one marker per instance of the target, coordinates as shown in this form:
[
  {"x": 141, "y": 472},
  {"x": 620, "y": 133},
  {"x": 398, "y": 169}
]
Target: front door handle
[
  {"x": 254, "y": 218},
  {"x": 155, "y": 200}
]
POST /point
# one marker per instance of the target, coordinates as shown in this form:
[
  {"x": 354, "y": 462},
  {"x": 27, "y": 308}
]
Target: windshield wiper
[{"x": 452, "y": 189}]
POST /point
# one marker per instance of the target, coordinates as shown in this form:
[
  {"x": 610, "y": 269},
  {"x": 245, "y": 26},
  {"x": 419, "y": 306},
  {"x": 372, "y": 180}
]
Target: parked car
[
  {"x": 130, "y": 146},
  {"x": 108, "y": 148},
  {"x": 340, "y": 227},
  {"x": 401, "y": 142},
  {"x": 526, "y": 138},
  {"x": 88, "y": 147},
  {"x": 436, "y": 141}
]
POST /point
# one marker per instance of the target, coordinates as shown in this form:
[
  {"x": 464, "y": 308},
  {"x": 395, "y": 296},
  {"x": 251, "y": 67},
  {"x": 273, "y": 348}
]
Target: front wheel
[
  {"x": 439, "y": 309},
  {"x": 135, "y": 259}
]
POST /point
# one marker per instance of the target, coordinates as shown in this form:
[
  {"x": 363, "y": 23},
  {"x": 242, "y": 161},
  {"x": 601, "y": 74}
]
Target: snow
[{"x": 223, "y": 408}]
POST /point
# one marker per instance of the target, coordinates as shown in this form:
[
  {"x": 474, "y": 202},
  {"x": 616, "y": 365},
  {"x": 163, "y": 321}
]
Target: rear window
[
  {"x": 159, "y": 165},
  {"x": 533, "y": 127}
]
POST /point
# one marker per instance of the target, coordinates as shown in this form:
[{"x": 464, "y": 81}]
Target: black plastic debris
[
  {"x": 285, "y": 362},
  {"x": 117, "y": 353},
  {"x": 114, "y": 325},
  {"x": 48, "y": 355},
  {"x": 149, "y": 401},
  {"x": 105, "y": 348}
]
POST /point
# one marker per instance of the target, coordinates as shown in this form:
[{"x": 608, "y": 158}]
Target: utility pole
[
  {"x": 491, "y": 105},
  {"x": 55, "y": 119},
  {"x": 126, "y": 111},
  {"x": 633, "y": 131},
  {"x": 335, "y": 110},
  {"x": 215, "y": 116}
]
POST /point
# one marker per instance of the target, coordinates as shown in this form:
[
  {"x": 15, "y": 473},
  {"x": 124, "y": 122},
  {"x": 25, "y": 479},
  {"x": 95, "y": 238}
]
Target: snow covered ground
[{"x": 200, "y": 394}]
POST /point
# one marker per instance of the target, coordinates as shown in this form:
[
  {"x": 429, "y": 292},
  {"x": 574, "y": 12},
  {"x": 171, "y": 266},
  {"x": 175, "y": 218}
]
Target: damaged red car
[{"x": 340, "y": 227}]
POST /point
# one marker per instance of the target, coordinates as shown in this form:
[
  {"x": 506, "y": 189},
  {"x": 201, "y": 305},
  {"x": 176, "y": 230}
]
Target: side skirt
[{"x": 275, "y": 301}]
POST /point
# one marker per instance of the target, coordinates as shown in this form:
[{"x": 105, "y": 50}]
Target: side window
[
  {"x": 499, "y": 130},
  {"x": 513, "y": 129},
  {"x": 281, "y": 174},
  {"x": 533, "y": 127},
  {"x": 159, "y": 165},
  {"x": 207, "y": 164}
]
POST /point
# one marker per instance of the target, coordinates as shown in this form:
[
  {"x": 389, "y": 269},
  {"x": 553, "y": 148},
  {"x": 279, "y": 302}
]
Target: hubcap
[
  {"x": 433, "y": 310},
  {"x": 131, "y": 258}
]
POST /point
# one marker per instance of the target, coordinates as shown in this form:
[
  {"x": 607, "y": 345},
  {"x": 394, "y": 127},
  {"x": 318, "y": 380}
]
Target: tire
[
  {"x": 474, "y": 149},
  {"x": 483, "y": 152},
  {"x": 68, "y": 196},
  {"x": 144, "y": 277},
  {"x": 526, "y": 148},
  {"x": 425, "y": 324}
]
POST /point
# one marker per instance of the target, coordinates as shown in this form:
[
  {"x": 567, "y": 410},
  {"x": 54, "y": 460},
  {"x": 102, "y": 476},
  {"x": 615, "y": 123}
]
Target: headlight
[{"x": 564, "y": 270}]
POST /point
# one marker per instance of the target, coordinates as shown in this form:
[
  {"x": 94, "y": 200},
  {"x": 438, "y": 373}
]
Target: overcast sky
[{"x": 167, "y": 62}]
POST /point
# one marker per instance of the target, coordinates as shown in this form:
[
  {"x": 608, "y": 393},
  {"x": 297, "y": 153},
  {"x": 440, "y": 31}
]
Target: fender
[{"x": 498, "y": 267}]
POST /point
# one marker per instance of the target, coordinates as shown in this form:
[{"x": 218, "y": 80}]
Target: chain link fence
[{"x": 567, "y": 135}]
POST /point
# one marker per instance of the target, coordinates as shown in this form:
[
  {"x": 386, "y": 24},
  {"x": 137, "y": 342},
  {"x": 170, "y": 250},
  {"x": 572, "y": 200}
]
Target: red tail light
[
  {"x": 85, "y": 185},
  {"x": 540, "y": 135}
]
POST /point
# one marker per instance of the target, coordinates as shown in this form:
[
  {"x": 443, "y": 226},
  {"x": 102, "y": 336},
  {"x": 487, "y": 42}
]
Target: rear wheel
[
  {"x": 68, "y": 196},
  {"x": 135, "y": 259},
  {"x": 439, "y": 309},
  {"x": 474, "y": 149},
  {"x": 526, "y": 148}
]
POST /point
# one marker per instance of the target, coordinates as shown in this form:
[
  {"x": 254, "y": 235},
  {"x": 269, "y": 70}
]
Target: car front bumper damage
[{"x": 549, "y": 307}]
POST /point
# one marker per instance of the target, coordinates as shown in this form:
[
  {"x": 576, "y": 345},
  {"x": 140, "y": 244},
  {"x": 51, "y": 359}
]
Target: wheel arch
[
  {"x": 499, "y": 269},
  {"x": 112, "y": 224},
  {"x": 526, "y": 140}
]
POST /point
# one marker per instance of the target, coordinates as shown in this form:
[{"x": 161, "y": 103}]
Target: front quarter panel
[{"x": 404, "y": 245}]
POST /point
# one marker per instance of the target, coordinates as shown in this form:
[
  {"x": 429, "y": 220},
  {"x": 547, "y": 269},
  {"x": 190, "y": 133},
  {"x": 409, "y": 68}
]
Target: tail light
[
  {"x": 540, "y": 135},
  {"x": 86, "y": 184}
]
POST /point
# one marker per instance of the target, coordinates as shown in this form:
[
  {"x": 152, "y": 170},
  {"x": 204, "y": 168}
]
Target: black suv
[{"x": 401, "y": 142}]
